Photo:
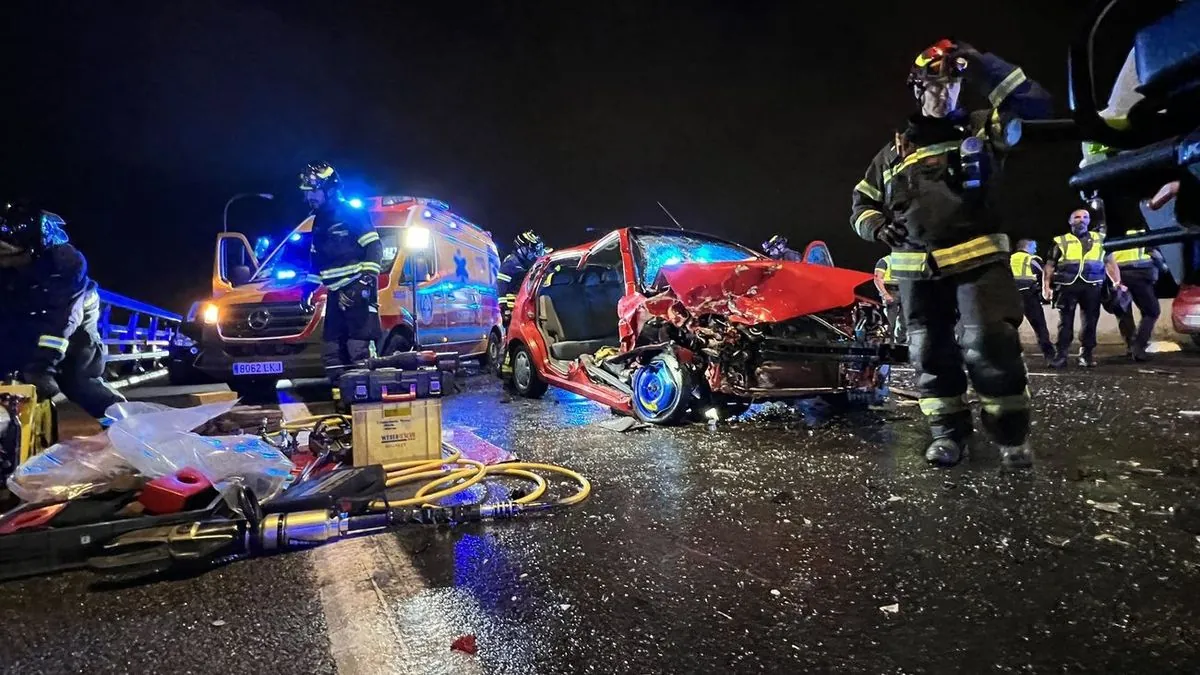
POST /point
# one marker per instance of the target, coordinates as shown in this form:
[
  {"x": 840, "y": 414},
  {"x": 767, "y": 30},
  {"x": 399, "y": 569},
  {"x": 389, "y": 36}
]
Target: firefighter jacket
[
  {"x": 42, "y": 307},
  {"x": 344, "y": 247},
  {"x": 510, "y": 277},
  {"x": 939, "y": 178}
]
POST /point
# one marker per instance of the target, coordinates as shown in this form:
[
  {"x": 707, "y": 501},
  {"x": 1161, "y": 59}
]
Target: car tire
[
  {"x": 525, "y": 379},
  {"x": 661, "y": 391},
  {"x": 397, "y": 341},
  {"x": 493, "y": 358}
]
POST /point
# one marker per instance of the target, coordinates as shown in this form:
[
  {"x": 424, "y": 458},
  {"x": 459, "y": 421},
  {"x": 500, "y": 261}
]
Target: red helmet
[{"x": 937, "y": 63}]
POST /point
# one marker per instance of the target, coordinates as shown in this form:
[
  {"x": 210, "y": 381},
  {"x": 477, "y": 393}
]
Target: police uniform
[
  {"x": 49, "y": 323},
  {"x": 346, "y": 259},
  {"x": 937, "y": 180},
  {"x": 1027, "y": 272},
  {"x": 1079, "y": 275},
  {"x": 894, "y": 310},
  {"x": 1139, "y": 273}
]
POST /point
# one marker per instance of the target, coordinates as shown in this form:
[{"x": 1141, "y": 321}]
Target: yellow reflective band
[
  {"x": 53, "y": 342},
  {"x": 971, "y": 249},
  {"x": 996, "y": 405},
  {"x": 943, "y": 406},
  {"x": 340, "y": 284},
  {"x": 923, "y": 60},
  {"x": 371, "y": 267},
  {"x": 864, "y": 215},
  {"x": 908, "y": 261},
  {"x": 928, "y": 151},
  {"x": 869, "y": 190},
  {"x": 325, "y": 173},
  {"x": 503, "y": 277},
  {"x": 1015, "y": 79},
  {"x": 313, "y": 278},
  {"x": 368, "y": 238},
  {"x": 340, "y": 271}
]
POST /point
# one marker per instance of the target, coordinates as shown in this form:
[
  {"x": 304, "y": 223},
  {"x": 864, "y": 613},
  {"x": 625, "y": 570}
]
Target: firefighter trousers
[
  {"x": 985, "y": 303},
  {"x": 80, "y": 374},
  {"x": 1141, "y": 289},
  {"x": 349, "y": 332},
  {"x": 1086, "y": 297},
  {"x": 1031, "y": 302}
]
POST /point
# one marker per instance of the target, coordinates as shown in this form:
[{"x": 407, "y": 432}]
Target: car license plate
[{"x": 258, "y": 368}]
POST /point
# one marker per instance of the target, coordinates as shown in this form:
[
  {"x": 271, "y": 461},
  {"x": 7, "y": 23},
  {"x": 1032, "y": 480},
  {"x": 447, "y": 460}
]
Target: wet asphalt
[{"x": 784, "y": 541}]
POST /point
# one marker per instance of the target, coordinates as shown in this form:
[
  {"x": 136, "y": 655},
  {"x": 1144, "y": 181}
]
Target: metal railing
[{"x": 138, "y": 337}]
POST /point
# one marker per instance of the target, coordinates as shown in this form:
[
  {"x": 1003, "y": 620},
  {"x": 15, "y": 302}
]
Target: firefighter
[
  {"x": 527, "y": 248},
  {"x": 1077, "y": 265},
  {"x": 1027, "y": 272},
  {"x": 889, "y": 293},
  {"x": 777, "y": 248},
  {"x": 49, "y": 318},
  {"x": 1139, "y": 269},
  {"x": 346, "y": 256},
  {"x": 928, "y": 196}
]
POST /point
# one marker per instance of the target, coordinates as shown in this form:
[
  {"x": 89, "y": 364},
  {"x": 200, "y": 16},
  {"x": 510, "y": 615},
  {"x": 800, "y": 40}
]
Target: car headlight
[{"x": 210, "y": 314}]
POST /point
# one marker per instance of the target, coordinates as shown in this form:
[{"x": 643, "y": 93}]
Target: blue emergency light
[
  {"x": 355, "y": 203},
  {"x": 284, "y": 275}
]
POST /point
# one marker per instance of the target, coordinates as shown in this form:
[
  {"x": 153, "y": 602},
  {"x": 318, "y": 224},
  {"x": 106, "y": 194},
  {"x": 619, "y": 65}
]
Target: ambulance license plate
[{"x": 258, "y": 368}]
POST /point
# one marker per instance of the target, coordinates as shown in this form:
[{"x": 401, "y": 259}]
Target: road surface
[{"x": 784, "y": 542}]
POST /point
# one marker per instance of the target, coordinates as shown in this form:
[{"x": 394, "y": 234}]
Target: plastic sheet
[{"x": 153, "y": 440}]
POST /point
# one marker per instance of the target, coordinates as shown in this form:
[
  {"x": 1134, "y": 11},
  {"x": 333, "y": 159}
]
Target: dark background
[{"x": 136, "y": 121}]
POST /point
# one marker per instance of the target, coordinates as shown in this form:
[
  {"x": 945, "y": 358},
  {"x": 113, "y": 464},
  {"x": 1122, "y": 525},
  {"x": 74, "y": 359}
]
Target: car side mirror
[{"x": 239, "y": 275}]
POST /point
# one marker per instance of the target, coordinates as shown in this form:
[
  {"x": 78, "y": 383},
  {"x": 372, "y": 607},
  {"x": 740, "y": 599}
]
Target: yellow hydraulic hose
[{"x": 457, "y": 473}]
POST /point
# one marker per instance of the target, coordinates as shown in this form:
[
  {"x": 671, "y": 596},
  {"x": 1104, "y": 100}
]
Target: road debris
[
  {"x": 775, "y": 592},
  {"x": 1108, "y": 537},
  {"x": 890, "y": 609},
  {"x": 622, "y": 424},
  {"x": 1146, "y": 471},
  {"x": 895, "y": 498},
  {"x": 1107, "y": 507},
  {"x": 1060, "y": 542},
  {"x": 465, "y": 644},
  {"x": 784, "y": 497},
  {"x": 724, "y": 614},
  {"x": 218, "y": 623},
  {"x": 1190, "y": 413}
]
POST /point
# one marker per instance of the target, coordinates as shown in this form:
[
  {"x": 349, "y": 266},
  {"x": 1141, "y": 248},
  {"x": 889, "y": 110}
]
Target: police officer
[
  {"x": 1027, "y": 272},
  {"x": 527, "y": 248},
  {"x": 889, "y": 292},
  {"x": 1077, "y": 265},
  {"x": 346, "y": 257},
  {"x": 1139, "y": 270},
  {"x": 50, "y": 312},
  {"x": 927, "y": 195},
  {"x": 777, "y": 248}
]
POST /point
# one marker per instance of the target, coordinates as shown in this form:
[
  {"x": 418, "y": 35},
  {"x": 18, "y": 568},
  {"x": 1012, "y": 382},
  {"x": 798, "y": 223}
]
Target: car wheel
[
  {"x": 399, "y": 341},
  {"x": 493, "y": 359},
  {"x": 661, "y": 391},
  {"x": 524, "y": 377}
]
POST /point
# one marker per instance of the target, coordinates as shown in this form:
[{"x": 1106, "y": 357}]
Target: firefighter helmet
[
  {"x": 320, "y": 176},
  {"x": 938, "y": 62},
  {"x": 529, "y": 245},
  {"x": 775, "y": 245},
  {"x": 26, "y": 228}
]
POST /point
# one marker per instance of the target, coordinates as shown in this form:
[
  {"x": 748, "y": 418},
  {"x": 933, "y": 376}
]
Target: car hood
[{"x": 762, "y": 291}]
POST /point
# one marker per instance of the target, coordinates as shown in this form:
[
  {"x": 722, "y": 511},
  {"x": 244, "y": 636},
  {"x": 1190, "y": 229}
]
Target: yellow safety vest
[
  {"x": 1022, "y": 266},
  {"x": 885, "y": 264},
  {"x": 1077, "y": 264},
  {"x": 1133, "y": 257}
]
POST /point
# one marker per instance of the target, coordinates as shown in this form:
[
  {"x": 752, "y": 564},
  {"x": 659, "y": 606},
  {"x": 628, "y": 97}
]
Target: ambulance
[{"x": 437, "y": 291}]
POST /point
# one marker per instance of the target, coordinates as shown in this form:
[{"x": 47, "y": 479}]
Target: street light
[{"x": 240, "y": 195}]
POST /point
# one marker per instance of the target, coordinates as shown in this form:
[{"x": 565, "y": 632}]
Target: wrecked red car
[{"x": 665, "y": 324}]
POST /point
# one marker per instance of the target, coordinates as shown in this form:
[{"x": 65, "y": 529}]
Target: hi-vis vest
[
  {"x": 1133, "y": 257},
  {"x": 1022, "y": 268},
  {"x": 1077, "y": 264},
  {"x": 885, "y": 265}
]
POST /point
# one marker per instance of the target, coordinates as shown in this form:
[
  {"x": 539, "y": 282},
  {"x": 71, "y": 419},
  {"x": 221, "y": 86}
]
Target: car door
[{"x": 419, "y": 271}]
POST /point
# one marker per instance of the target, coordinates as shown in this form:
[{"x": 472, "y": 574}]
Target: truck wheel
[
  {"x": 661, "y": 391},
  {"x": 396, "y": 342},
  {"x": 524, "y": 377},
  {"x": 493, "y": 358}
]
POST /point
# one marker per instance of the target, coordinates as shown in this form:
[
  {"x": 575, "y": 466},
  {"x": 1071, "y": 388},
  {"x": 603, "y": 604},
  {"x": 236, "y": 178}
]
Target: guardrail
[{"x": 138, "y": 337}]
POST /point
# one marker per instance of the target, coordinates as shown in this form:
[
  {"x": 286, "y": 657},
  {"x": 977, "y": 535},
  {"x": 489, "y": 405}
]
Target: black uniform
[
  {"x": 1079, "y": 276},
  {"x": 48, "y": 320},
  {"x": 508, "y": 281},
  {"x": 1027, "y": 272},
  {"x": 955, "y": 262},
  {"x": 346, "y": 258},
  {"x": 1139, "y": 272}
]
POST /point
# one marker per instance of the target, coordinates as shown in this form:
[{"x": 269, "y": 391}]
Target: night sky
[{"x": 136, "y": 121}]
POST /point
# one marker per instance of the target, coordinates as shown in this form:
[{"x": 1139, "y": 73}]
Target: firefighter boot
[
  {"x": 1059, "y": 361},
  {"x": 1086, "y": 359},
  {"x": 946, "y": 451},
  {"x": 1016, "y": 456}
]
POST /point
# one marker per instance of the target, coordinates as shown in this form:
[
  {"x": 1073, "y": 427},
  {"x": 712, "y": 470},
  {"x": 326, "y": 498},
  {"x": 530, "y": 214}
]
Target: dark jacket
[
  {"x": 344, "y": 246},
  {"x": 41, "y": 308},
  {"x": 918, "y": 180},
  {"x": 511, "y": 276}
]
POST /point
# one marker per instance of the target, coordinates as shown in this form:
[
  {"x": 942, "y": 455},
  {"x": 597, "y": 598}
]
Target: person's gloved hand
[
  {"x": 892, "y": 233},
  {"x": 356, "y": 292}
]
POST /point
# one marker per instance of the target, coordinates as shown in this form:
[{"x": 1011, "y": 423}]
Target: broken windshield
[{"x": 655, "y": 250}]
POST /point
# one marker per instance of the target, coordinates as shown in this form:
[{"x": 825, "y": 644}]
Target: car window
[
  {"x": 290, "y": 260},
  {"x": 655, "y": 250},
  {"x": 609, "y": 258}
]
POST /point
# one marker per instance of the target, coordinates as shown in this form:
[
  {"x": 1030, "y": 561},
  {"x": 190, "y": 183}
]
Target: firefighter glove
[
  {"x": 357, "y": 292},
  {"x": 892, "y": 233}
]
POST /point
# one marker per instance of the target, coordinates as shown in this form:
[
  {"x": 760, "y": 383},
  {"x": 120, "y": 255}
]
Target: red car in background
[
  {"x": 660, "y": 323},
  {"x": 1185, "y": 309}
]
